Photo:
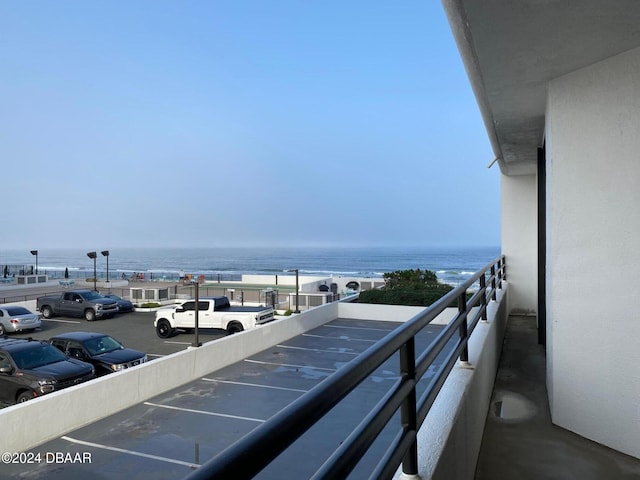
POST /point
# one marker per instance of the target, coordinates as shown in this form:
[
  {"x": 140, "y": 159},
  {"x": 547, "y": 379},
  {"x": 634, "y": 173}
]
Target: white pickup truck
[{"x": 213, "y": 312}]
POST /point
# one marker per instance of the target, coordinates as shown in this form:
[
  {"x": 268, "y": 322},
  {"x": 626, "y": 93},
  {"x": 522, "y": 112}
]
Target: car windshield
[
  {"x": 36, "y": 356},
  {"x": 91, "y": 295},
  {"x": 96, "y": 346},
  {"x": 18, "y": 311}
]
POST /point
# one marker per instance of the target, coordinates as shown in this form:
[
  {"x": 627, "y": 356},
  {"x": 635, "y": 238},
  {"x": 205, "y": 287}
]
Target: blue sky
[{"x": 239, "y": 123}]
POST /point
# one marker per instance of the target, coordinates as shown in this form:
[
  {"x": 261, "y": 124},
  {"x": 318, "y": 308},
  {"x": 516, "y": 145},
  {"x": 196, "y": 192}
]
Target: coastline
[{"x": 452, "y": 264}]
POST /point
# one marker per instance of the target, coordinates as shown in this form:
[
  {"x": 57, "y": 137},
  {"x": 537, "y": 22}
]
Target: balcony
[
  {"x": 144, "y": 392},
  {"x": 442, "y": 423}
]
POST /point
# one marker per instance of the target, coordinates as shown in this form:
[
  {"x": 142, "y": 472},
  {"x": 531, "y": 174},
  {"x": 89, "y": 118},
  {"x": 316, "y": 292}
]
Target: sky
[{"x": 239, "y": 123}]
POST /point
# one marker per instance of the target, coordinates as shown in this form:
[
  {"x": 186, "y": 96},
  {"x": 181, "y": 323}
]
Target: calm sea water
[{"x": 453, "y": 265}]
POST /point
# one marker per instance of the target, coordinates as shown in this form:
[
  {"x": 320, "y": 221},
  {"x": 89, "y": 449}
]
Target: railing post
[
  {"x": 464, "y": 334},
  {"x": 483, "y": 289},
  {"x": 504, "y": 271},
  {"x": 408, "y": 414},
  {"x": 493, "y": 283}
]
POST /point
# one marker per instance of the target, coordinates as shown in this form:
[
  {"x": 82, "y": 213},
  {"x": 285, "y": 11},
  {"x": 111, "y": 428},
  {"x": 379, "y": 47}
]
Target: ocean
[{"x": 453, "y": 265}]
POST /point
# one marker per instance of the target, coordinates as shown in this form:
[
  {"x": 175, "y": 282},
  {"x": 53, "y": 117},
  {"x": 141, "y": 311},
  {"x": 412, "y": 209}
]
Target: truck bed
[{"x": 241, "y": 309}]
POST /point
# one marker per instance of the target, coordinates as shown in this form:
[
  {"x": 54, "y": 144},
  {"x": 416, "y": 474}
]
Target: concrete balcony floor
[{"x": 519, "y": 441}]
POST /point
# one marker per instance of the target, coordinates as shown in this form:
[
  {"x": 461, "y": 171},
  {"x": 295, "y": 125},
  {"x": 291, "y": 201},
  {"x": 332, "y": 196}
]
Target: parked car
[
  {"x": 123, "y": 305},
  {"x": 213, "y": 312},
  {"x": 104, "y": 352},
  {"x": 14, "y": 318},
  {"x": 79, "y": 303},
  {"x": 31, "y": 368}
]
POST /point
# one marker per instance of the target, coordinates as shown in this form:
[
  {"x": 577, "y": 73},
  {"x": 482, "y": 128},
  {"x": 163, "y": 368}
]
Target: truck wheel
[
  {"x": 163, "y": 329},
  {"x": 89, "y": 315},
  {"x": 46, "y": 312},
  {"x": 24, "y": 396},
  {"x": 234, "y": 327}
]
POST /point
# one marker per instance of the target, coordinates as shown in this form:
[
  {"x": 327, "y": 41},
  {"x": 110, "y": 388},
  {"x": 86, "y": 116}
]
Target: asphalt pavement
[{"x": 135, "y": 330}]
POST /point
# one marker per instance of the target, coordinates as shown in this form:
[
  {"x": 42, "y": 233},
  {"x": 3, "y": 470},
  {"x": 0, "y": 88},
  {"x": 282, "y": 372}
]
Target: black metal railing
[{"x": 252, "y": 453}]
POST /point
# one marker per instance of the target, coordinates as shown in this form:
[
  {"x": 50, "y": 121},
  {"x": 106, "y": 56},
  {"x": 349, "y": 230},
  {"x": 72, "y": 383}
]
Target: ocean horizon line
[
  {"x": 251, "y": 247},
  {"x": 452, "y": 264}
]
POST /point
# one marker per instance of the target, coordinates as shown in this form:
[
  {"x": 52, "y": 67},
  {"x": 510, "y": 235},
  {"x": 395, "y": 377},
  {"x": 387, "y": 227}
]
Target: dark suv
[
  {"x": 31, "y": 368},
  {"x": 106, "y": 353}
]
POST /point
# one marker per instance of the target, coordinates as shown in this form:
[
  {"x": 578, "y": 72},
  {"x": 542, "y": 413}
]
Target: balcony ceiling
[{"x": 512, "y": 48}]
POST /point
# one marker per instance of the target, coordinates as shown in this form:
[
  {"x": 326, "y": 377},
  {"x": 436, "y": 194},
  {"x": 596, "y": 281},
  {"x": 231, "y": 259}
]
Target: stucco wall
[
  {"x": 520, "y": 240},
  {"x": 593, "y": 259}
]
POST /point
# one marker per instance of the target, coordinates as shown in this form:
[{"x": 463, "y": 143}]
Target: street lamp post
[
  {"x": 35, "y": 252},
  {"x": 105, "y": 253},
  {"x": 196, "y": 342},
  {"x": 297, "y": 310},
  {"x": 94, "y": 255}
]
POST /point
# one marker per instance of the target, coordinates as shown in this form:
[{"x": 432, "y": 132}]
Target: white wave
[{"x": 61, "y": 269}]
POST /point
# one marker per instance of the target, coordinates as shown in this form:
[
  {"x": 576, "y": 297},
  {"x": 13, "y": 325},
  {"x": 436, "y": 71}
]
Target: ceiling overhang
[{"x": 512, "y": 49}]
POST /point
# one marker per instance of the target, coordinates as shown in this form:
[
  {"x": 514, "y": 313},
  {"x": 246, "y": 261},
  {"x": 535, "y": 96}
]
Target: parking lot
[
  {"x": 169, "y": 435},
  {"x": 135, "y": 330}
]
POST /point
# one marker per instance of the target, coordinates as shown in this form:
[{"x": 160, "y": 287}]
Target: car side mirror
[{"x": 179, "y": 309}]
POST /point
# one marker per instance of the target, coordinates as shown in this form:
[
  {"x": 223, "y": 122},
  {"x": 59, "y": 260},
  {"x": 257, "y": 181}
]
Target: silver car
[{"x": 14, "y": 318}]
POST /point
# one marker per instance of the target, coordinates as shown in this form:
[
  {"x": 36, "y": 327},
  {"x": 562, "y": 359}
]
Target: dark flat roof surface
[{"x": 165, "y": 437}]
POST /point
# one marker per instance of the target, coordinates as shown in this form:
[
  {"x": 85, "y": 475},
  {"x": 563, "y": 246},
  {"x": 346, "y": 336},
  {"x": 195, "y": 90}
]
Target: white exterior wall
[
  {"x": 593, "y": 251},
  {"x": 520, "y": 240}
]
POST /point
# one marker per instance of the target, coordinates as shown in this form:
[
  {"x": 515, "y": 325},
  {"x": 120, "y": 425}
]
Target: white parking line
[
  {"x": 289, "y": 365},
  {"x": 130, "y": 452},
  {"x": 155, "y": 355},
  {"x": 60, "y": 321},
  {"x": 358, "y": 328},
  {"x": 178, "y": 343},
  {"x": 254, "y": 385},
  {"x": 348, "y": 339},
  {"x": 202, "y": 412},
  {"x": 317, "y": 350}
]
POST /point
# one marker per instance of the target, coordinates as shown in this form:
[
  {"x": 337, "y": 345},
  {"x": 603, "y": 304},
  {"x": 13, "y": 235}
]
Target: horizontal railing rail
[
  {"x": 26, "y": 296},
  {"x": 256, "y": 450}
]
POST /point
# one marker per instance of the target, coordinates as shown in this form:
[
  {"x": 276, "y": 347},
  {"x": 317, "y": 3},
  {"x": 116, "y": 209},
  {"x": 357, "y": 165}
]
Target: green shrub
[
  {"x": 150, "y": 305},
  {"x": 405, "y": 296},
  {"x": 416, "y": 279},
  {"x": 407, "y": 287}
]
